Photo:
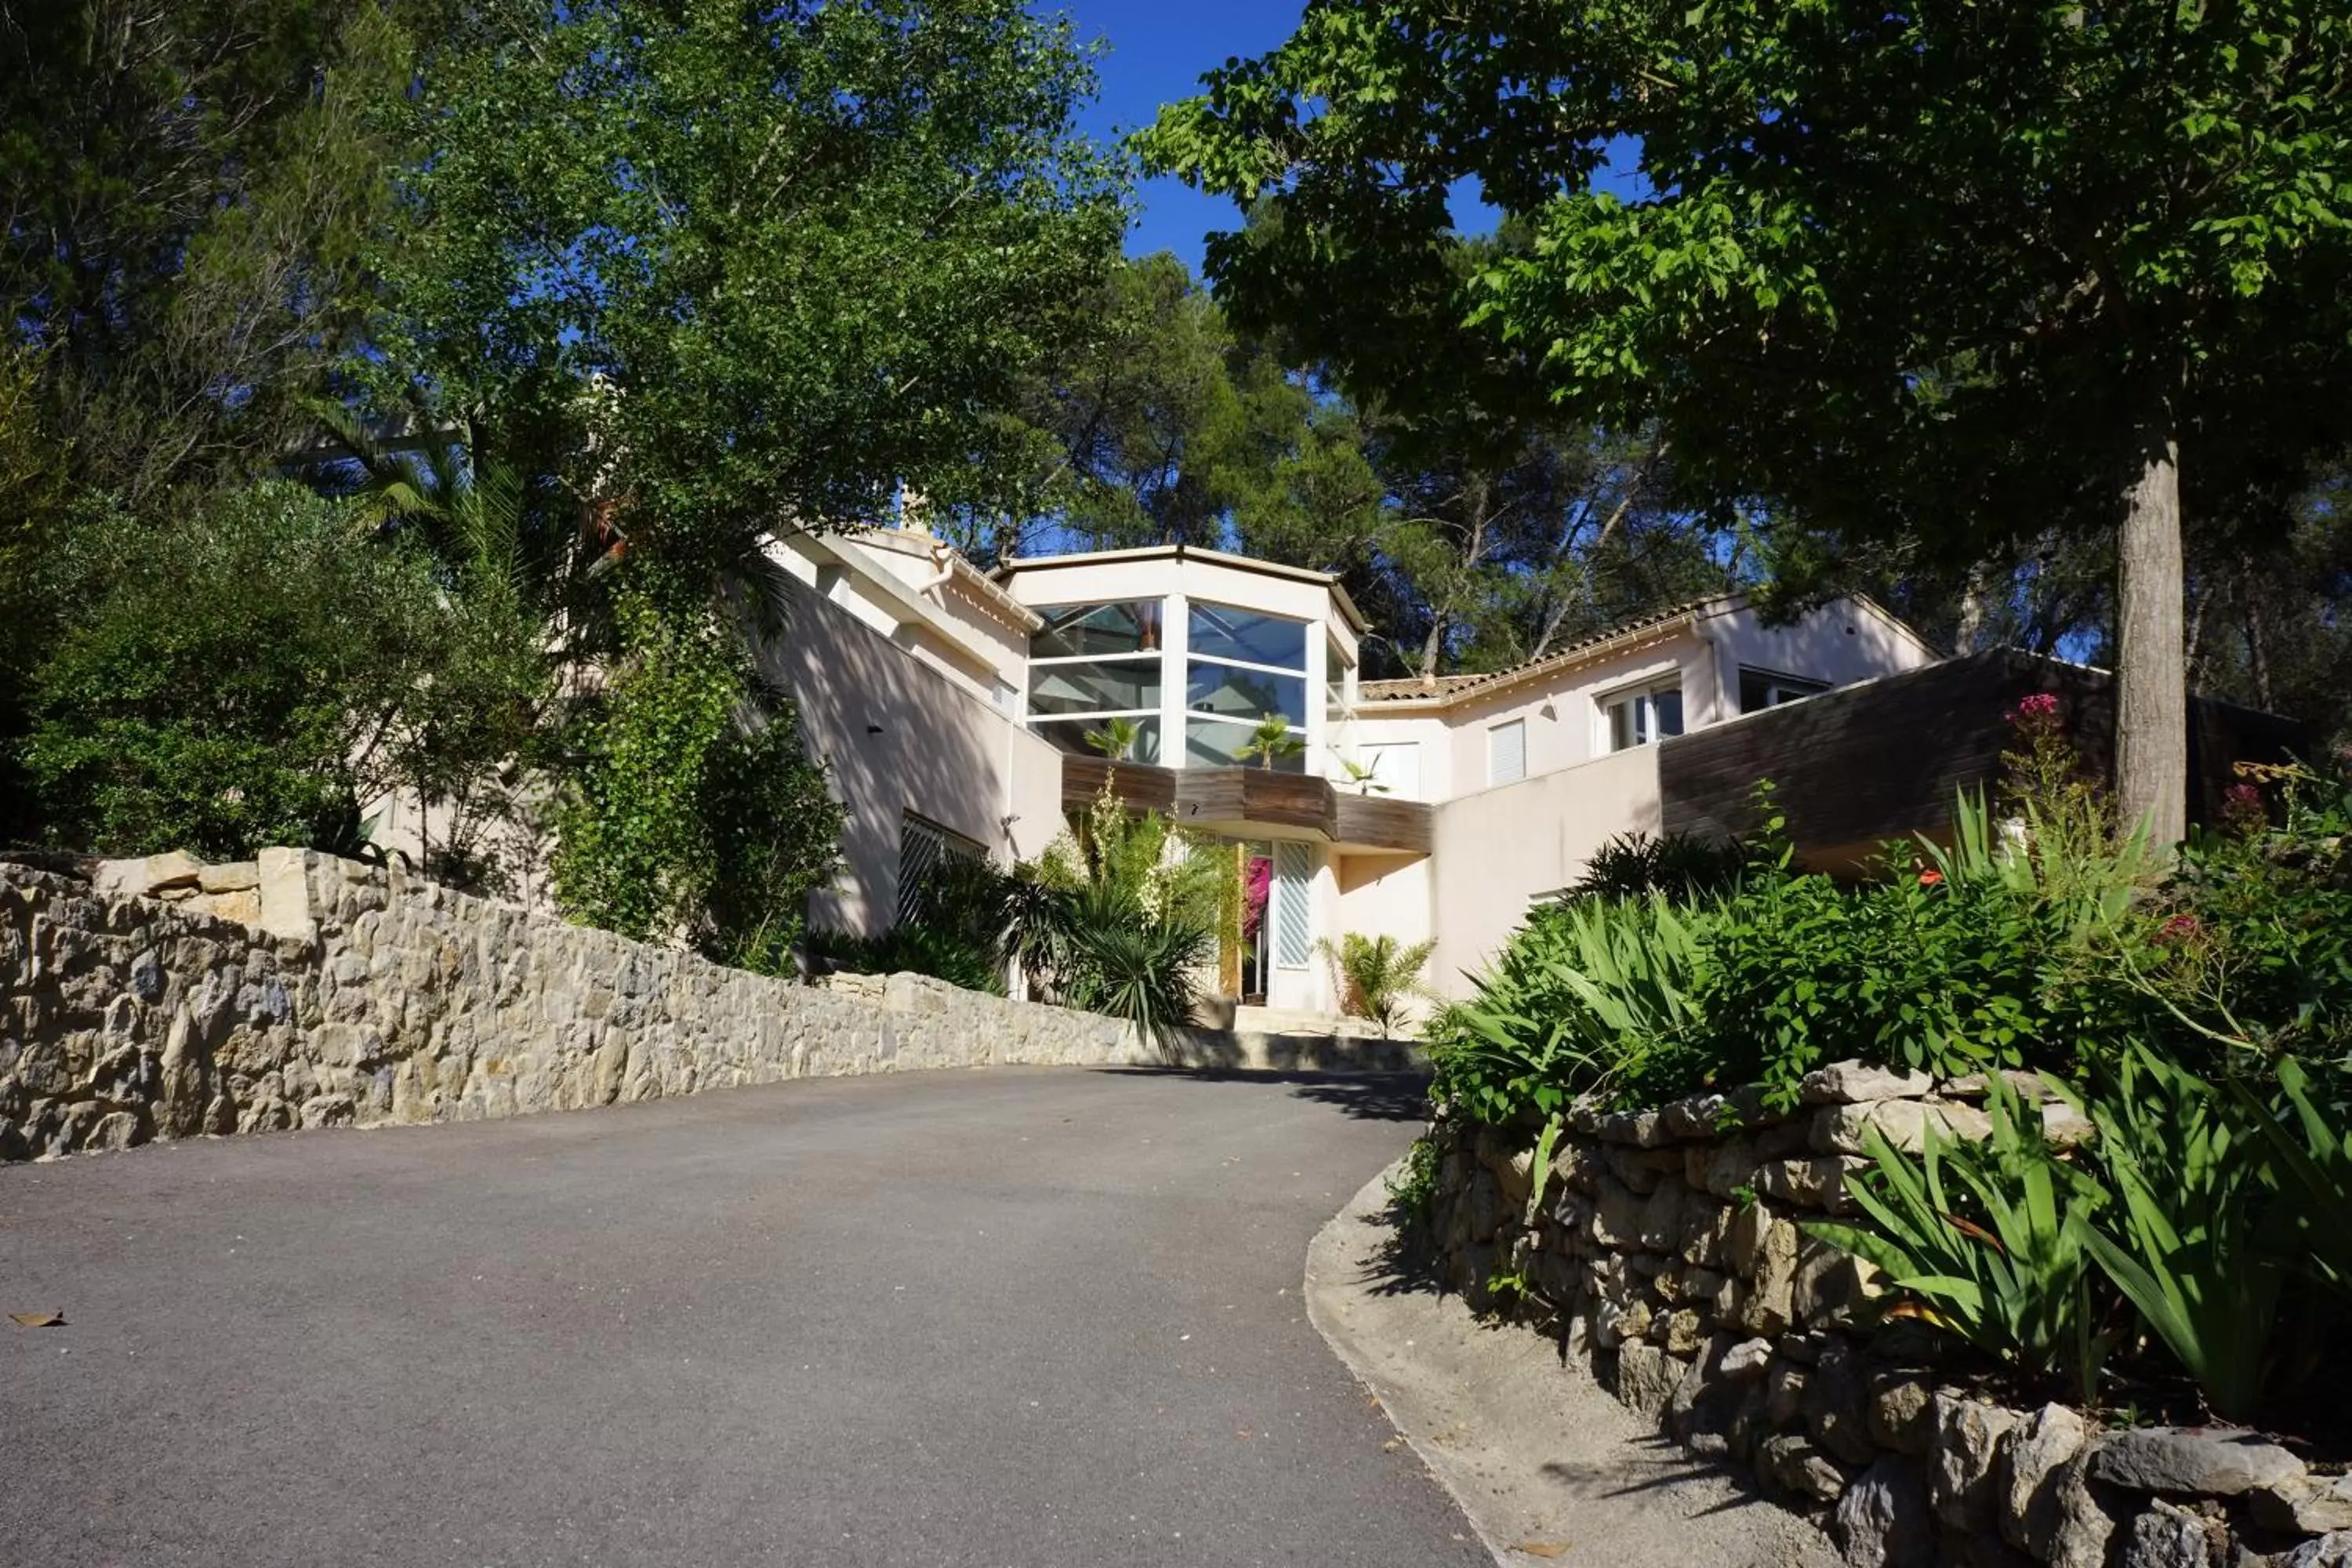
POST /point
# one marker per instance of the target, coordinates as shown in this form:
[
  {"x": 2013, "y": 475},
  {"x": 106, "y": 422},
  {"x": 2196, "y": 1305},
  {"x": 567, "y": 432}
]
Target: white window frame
[{"x": 1644, "y": 697}]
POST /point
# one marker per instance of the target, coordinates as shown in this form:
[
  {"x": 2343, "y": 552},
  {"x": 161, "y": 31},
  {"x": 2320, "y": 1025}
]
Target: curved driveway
[{"x": 1025, "y": 1318}]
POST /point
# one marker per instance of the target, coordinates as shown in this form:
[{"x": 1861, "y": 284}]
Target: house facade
[{"x": 965, "y": 713}]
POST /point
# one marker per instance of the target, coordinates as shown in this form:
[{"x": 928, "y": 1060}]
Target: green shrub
[
  {"x": 689, "y": 810},
  {"x": 912, "y": 948},
  {"x": 2190, "y": 1247},
  {"x": 1681, "y": 866},
  {"x": 1595, "y": 999},
  {"x": 260, "y": 672}
]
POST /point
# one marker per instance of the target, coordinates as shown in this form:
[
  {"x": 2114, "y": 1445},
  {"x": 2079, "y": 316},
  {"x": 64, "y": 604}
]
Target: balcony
[{"x": 1242, "y": 802}]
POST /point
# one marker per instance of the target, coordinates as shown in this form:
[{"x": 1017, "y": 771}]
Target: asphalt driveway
[{"x": 1026, "y": 1317}]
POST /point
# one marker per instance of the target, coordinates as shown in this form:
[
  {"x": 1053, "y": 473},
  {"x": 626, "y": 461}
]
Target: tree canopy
[
  {"x": 750, "y": 268},
  {"x": 1957, "y": 278}
]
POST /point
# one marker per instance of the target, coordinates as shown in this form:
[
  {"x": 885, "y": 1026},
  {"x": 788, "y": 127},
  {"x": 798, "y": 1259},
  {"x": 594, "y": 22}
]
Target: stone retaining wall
[
  {"x": 1665, "y": 1251},
  {"x": 163, "y": 999}
]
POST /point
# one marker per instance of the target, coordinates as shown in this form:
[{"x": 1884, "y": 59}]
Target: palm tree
[
  {"x": 1116, "y": 740},
  {"x": 1271, "y": 740},
  {"x": 1378, "y": 974},
  {"x": 1366, "y": 780}
]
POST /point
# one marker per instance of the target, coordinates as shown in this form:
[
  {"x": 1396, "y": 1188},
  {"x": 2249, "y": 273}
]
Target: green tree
[
  {"x": 264, "y": 675},
  {"x": 691, "y": 810},
  {"x": 1945, "y": 276},
  {"x": 745, "y": 268},
  {"x": 184, "y": 196}
]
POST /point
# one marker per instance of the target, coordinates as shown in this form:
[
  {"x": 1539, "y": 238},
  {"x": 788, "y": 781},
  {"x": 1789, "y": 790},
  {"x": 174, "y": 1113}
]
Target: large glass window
[
  {"x": 1247, "y": 637},
  {"x": 1079, "y": 738},
  {"x": 1232, "y": 692},
  {"x": 1095, "y": 686},
  {"x": 1076, "y": 630},
  {"x": 1092, "y": 666},
  {"x": 1245, "y": 669}
]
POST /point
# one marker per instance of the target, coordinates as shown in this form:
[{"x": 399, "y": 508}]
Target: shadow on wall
[{"x": 895, "y": 735}]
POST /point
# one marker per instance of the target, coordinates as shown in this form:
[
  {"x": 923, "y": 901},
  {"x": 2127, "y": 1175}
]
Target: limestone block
[
  {"x": 146, "y": 876},
  {"x": 229, "y": 876},
  {"x": 1882, "y": 1521},
  {"x": 1971, "y": 1447},
  {"x": 1815, "y": 1183},
  {"x": 1849, "y": 1083},
  {"x": 1834, "y": 1412},
  {"x": 1646, "y": 1377},
  {"x": 2075, "y": 1532},
  {"x": 1795, "y": 1466},
  {"x": 2330, "y": 1551},
  {"x": 2034, "y": 1471},
  {"x": 1783, "y": 1393},
  {"x": 2305, "y": 1505},
  {"x": 2166, "y": 1536},
  {"x": 1844, "y": 1129},
  {"x": 1899, "y": 1412},
  {"x": 2198, "y": 1462}
]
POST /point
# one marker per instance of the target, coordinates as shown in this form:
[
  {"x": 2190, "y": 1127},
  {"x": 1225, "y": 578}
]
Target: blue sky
[{"x": 1159, "y": 50}]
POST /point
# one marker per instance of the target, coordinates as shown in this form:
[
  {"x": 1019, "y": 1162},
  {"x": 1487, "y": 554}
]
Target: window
[
  {"x": 1246, "y": 636},
  {"x": 1394, "y": 767},
  {"x": 1077, "y": 630},
  {"x": 1294, "y": 931},
  {"x": 1507, "y": 752},
  {"x": 1090, "y": 663},
  {"x": 1230, "y": 692},
  {"x": 1761, "y": 688},
  {"x": 924, "y": 848},
  {"x": 1643, "y": 718},
  {"x": 1244, "y": 668},
  {"x": 1095, "y": 686},
  {"x": 1071, "y": 735}
]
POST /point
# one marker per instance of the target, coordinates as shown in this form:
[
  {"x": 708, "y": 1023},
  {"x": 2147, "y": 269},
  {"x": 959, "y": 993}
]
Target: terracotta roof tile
[{"x": 1413, "y": 689}]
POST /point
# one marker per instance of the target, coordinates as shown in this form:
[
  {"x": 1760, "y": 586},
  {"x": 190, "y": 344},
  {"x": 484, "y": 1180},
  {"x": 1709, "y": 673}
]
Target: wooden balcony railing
[{"x": 1236, "y": 800}]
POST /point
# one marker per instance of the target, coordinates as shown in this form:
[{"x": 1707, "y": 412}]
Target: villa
[{"x": 955, "y": 706}]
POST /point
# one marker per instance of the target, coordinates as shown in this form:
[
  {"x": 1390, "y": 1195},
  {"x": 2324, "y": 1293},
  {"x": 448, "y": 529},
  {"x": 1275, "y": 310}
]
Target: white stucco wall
[
  {"x": 1842, "y": 642},
  {"x": 1498, "y": 849},
  {"x": 895, "y": 738}
]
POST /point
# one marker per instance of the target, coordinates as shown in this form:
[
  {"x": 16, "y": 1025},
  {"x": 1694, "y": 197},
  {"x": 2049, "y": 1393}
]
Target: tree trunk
[
  {"x": 2258, "y": 652},
  {"x": 2151, "y": 691},
  {"x": 1972, "y": 612}
]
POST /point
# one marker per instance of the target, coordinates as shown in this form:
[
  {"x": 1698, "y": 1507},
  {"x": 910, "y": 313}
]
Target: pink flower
[
  {"x": 2035, "y": 712},
  {"x": 1931, "y": 877},
  {"x": 2179, "y": 928}
]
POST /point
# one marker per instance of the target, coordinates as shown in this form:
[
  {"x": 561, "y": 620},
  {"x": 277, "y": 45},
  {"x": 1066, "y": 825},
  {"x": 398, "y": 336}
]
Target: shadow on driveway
[{"x": 1366, "y": 1097}]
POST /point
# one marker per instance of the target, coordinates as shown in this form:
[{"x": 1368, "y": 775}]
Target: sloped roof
[{"x": 1454, "y": 688}]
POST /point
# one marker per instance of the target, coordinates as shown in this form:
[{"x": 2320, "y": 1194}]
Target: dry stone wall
[
  {"x": 161, "y": 998},
  {"x": 1666, "y": 1249}
]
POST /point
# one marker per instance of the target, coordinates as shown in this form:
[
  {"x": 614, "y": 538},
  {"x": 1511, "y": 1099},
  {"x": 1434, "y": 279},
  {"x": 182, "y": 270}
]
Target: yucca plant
[
  {"x": 1984, "y": 1241},
  {"x": 1126, "y": 965},
  {"x": 1379, "y": 975}
]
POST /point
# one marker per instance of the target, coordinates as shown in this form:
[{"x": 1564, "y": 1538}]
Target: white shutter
[
  {"x": 1294, "y": 871},
  {"x": 1507, "y": 752}
]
